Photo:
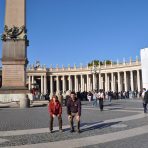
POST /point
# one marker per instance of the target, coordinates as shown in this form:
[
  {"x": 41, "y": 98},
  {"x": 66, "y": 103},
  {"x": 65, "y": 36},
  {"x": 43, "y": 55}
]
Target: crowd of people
[{"x": 83, "y": 96}]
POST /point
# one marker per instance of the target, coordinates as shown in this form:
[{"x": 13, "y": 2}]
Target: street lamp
[{"x": 95, "y": 70}]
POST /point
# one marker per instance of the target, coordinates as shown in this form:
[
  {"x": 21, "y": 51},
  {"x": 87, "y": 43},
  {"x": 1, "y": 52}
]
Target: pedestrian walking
[
  {"x": 110, "y": 94},
  {"x": 95, "y": 99},
  {"x": 145, "y": 99}
]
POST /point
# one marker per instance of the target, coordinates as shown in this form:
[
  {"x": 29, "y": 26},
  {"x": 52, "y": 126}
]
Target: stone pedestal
[
  {"x": 24, "y": 101},
  {"x": 14, "y": 63}
]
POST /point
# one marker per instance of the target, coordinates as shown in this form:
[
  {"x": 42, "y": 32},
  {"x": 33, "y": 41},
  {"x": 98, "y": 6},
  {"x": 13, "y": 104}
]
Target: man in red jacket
[{"x": 55, "y": 109}]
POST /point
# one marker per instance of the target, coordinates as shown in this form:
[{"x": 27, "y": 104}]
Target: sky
[{"x": 78, "y": 31}]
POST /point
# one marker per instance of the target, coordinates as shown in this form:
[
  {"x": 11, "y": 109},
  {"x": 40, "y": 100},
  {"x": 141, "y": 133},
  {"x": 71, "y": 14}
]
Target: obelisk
[{"x": 14, "y": 52}]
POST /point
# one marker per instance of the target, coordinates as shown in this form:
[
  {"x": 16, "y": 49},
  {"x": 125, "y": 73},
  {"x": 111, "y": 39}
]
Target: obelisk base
[{"x": 15, "y": 95}]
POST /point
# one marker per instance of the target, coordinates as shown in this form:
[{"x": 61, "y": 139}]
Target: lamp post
[{"x": 95, "y": 70}]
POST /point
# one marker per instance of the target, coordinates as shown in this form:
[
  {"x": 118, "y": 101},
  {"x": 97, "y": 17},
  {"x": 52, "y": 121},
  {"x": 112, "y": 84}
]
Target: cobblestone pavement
[{"x": 122, "y": 124}]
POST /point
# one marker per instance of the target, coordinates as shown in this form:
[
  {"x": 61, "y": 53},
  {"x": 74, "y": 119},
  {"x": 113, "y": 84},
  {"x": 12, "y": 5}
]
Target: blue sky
[{"x": 78, "y": 31}]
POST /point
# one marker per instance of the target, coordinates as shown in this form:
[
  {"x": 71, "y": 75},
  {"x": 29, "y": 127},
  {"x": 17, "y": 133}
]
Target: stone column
[
  {"x": 112, "y": 82},
  {"x": 138, "y": 80},
  {"x": 64, "y": 83},
  {"x": 94, "y": 81},
  {"x": 125, "y": 81},
  {"x": 119, "y": 82},
  {"x": 131, "y": 78},
  {"x": 122, "y": 80},
  {"x": 81, "y": 83},
  {"x": 91, "y": 83},
  {"x": 32, "y": 81},
  {"x": 29, "y": 83},
  {"x": 84, "y": 84},
  {"x": 105, "y": 82},
  {"x": 45, "y": 84},
  {"x": 51, "y": 85},
  {"x": 57, "y": 87},
  {"x": 76, "y": 85},
  {"x": 108, "y": 83},
  {"x": 66, "y": 86},
  {"x": 42, "y": 89},
  {"x": 70, "y": 87},
  {"x": 88, "y": 83},
  {"x": 100, "y": 81}
]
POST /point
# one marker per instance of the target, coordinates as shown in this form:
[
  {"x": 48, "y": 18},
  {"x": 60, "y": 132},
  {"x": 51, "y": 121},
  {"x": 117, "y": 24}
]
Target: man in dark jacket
[
  {"x": 74, "y": 110},
  {"x": 145, "y": 101}
]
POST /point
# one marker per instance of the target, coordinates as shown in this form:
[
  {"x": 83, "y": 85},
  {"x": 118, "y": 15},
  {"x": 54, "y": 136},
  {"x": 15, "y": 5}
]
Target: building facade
[{"x": 118, "y": 77}]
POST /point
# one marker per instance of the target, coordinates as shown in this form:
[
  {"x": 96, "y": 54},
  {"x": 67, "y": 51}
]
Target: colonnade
[
  {"x": 43, "y": 83},
  {"x": 114, "y": 81}
]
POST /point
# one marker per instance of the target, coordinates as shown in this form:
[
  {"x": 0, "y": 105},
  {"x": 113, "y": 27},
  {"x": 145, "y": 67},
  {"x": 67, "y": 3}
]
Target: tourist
[
  {"x": 55, "y": 110},
  {"x": 67, "y": 97},
  {"x": 89, "y": 96},
  {"x": 110, "y": 94},
  {"x": 60, "y": 98},
  {"x": 145, "y": 99},
  {"x": 64, "y": 98},
  {"x": 101, "y": 97},
  {"x": 95, "y": 99},
  {"x": 47, "y": 96},
  {"x": 74, "y": 111}
]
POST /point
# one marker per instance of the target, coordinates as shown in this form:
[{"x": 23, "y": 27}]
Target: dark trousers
[
  {"x": 51, "y": 123},
  {"x": 145, "y": 107},
  {"x": 71, "y": 120},
  {"x": 101, "y": 104}
]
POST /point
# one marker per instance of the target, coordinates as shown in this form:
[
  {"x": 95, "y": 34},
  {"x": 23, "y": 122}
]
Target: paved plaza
[{"x": 122, "y": 124}]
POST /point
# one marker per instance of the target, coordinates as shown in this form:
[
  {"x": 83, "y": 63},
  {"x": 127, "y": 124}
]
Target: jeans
[
  {"x": 95, "y": 102},
  {"x": 109, "y": 98}
]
